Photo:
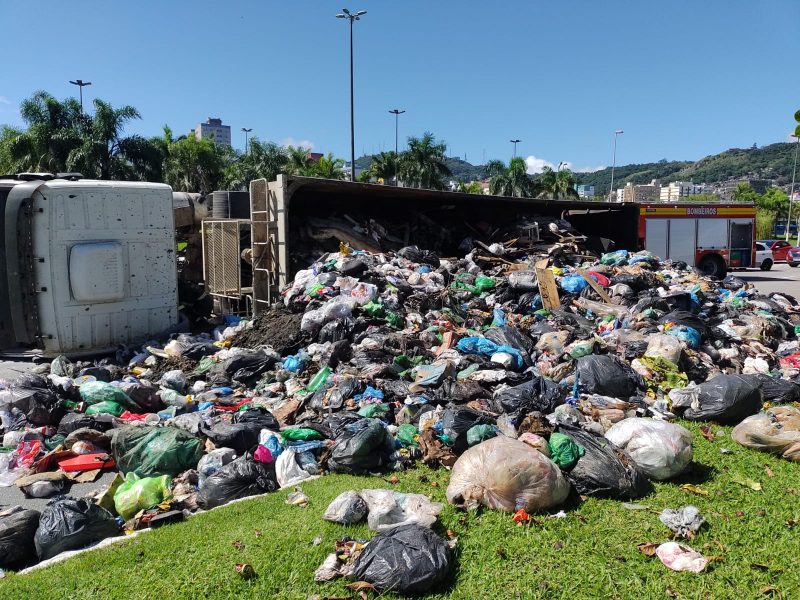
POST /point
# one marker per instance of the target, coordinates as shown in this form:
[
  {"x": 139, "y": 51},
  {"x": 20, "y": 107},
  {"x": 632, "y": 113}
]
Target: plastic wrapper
[
  {"x": 410, "y": 559},
  {"x": 348, "y": 508},
  {"x": 661, "y": 450},
  {"x": 175, "y": 380},
  {"x": 776, "y": 430},
  {"x": 506, "y": 474},
  {"x": 288, "y": 471},
  {"x": 726, "y": 399},
  {"x": 70, "y": 524},
  {"x": 664, "y": 346}
]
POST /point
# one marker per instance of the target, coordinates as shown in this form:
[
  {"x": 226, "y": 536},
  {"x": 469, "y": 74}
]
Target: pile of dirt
[
  {"x": 172, "y": 363},
  {"x": 277, "y": 328}
]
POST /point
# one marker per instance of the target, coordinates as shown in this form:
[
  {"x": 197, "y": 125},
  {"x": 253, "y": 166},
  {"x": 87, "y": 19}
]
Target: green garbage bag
[
  {"x": 480, "y": 285},
  {"x": 374, "y": 410},
  {"x": 373, "y": 309},
  {"x": 204, "y": 366},
  {"x": 93, "y": 392},
  {"x": 135, "y": 494},
  {"x": 563, "y": 451},
  {"x": 300, "y": 433},
  {"x": 394, "y": 320},
  {"x": 105, "y": 407},
  {"x": 406, "y": 435},
  {"x": 152, "y": 451},
  {"x": 479, "y": 433}
]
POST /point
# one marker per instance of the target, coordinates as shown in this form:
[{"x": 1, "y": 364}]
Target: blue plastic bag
[
  {"x": 476, "y": 345},
  {"x": 573, "y": 284},
  {"x": 369, "y": 394},
  {"x": 686, "y": 334},
  {"x": 499, "y": 317}
]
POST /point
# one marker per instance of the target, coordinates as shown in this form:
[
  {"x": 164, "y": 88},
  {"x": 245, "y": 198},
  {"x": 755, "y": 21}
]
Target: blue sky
[{"x": 683, "y": 78}]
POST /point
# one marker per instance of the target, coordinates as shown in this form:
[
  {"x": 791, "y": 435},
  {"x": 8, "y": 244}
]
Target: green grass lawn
[{"x": 589, "y": 554}]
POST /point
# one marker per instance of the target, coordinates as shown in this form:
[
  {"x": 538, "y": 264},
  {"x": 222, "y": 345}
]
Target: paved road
[{"x": 781, "y": 278}]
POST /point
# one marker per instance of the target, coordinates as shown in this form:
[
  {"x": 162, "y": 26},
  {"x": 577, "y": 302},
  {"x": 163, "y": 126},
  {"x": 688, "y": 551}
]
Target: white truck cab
[{"x": 85, "y": 265}]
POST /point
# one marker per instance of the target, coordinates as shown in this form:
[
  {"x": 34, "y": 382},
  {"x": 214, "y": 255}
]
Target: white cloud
[
  {"x": 536, "y": 165},
  {"x": 4, "y": 100},
  {"x": 290, "y": 141}
]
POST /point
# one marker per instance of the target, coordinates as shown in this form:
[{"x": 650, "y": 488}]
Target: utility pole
[
  {"x": 614, "y": 164},
  {"x": 345, "y": 14},
  {"x": 796, "y": 135},
  {"x": 81, "y": 84},
  {"x": 396, "y": 112}
]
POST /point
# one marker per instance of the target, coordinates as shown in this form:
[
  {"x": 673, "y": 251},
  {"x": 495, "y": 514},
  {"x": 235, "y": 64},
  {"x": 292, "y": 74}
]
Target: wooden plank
[
  {"x": 595, "y": 286},
  {"x": 547, "y": 286}
]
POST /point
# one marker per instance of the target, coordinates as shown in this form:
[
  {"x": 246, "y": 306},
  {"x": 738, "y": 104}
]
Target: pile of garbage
[{"x": 532, "y": 368}]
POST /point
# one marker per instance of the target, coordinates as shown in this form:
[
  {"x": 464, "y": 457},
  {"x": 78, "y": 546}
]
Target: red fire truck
[{"x": 713, "y": 237}]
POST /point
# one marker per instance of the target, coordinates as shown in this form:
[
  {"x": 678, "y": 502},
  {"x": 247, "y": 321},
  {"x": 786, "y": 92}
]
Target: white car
[{"x": 764, "y": 260}]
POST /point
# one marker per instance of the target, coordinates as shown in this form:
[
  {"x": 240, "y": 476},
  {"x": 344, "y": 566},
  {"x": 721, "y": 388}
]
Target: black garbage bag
[
  {"x": 340, "y": 351},
  {"x": 457, "y": 421},
  {"x": 144, "y": 394},
  {"x": 74, "y": 421},
  {"x": 605, "y": 470},
  {"x": 45, "y": 412},
  {"x": 538, "y": 394},
  {"x": 69, "y": 524},
  {"x": 337, "y": 422},
  {"x": 637, "y": 283},
  {"x": 727, "y": 399},
  {"x": 409, "y": 559},
  {"x": 634, "y": 349},
  {"x": 733, "y": 283},
  {"x": 337, "y": 330},
  {"x": 198, "y": 350},
  {"x": 17, "y": 528},
  {"x": 240, "y": 478},
  {"x": 414, "y": 254},
  {"x": 776, "y": 391},
  {"x": 99, "y": 373},
  {"x": 239, "y": 436},
  {"x": 245, "y": 368},
  {"x": 511, "y": 336},
  {"x": 608, "y": 375},
  {"x": 258, "y": 415},
  {"x": 353, "y": 267},
  {"x": 684, "y": 317},
  {"x": 360, "y": 447}
]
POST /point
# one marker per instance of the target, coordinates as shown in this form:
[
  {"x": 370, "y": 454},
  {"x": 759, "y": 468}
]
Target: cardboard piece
[
  {"x": 547, "y": 286},
  {"x": 595, "y": 286}
]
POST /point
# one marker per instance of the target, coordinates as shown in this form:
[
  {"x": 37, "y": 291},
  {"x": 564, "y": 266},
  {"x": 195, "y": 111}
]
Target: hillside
[{"x": 769, "y": 162}]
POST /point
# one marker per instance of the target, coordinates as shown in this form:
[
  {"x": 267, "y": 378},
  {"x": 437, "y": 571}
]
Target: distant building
[
  {"x": 619, "y": 194},
  {"x": 586, "y": 192},
  {"x": 214, "y": 129},
  {"x": 726, "y": 188},
  {"x": 680, "y": 189},
  {"x": 641, "y": 193}
]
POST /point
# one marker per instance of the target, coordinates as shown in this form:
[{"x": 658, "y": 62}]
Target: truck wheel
[
  {"x": 712, "y": 265},
  {"x": 766, "y": 265},
  {"x": 793, "y": 264}
]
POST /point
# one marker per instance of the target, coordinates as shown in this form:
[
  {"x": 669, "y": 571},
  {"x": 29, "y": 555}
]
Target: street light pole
[
  {"x": 614, "y": 163},
  {"x": 396, "y": 112},
  {"x": 81, "y": 83},
  {"x": 515, "y": 142},
  {"x": 345, "y": 14},
  {"x": 791, "y": 192},
  {"x": 246, "y": 147}
]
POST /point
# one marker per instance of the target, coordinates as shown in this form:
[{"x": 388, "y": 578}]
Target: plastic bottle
[{"x": 319, "y": 379}]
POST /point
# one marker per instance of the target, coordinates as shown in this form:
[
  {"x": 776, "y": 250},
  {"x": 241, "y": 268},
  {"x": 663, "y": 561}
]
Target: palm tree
[
  {"x": 423, "y": 164},
  {"x": 299, "y": 161},
  {"x": 473, "y": 187},
  {"x": 557, "y": 184},
  {"x": 264, "y": 160},
  {"x": 383, "y": 167},
  {"x": 195, "y": 165},
  {"x": 329, "y": 167},
  {"x": 105, "y": 154},
  {"x": 512, "y": 180},
  {"x": 54, "y": 130}
]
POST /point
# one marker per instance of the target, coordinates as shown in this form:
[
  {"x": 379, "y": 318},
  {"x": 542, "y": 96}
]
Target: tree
[
  {"x": 264, "y": 160},
  {"x": 7, "y": 135},
  {"x": 473, "y": 187},
  {"x": 53, "y": 132},
  {"x": 557, "y": 184},
  {"x": 774, "y": 200},
  {"x": 104, "y": 153},
  {"x": 194, "y": 165},
  {"x": 328, "y": 167},
  {"x": 423, "y": 164},
  {"x": 745, "y": 193},
  {"x": 383, "y": 167},
  {"x": 511, "y": 181},
  {"x": 299, "y": 161}
]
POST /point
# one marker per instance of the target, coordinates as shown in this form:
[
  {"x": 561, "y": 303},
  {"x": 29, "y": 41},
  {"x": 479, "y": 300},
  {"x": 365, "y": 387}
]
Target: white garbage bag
[
  {"x": 662, "y": 450},
  {"x": 388, "y": 509}
]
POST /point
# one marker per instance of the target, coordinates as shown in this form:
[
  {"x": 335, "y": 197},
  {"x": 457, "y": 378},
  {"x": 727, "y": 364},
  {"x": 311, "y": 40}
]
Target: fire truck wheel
[
  {"x": 713, "y": 266},
  {"x": 766, "y": 265},
  {"x": 793, "y": 264}
]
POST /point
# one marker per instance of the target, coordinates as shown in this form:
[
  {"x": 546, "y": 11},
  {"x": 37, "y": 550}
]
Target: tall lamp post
[
  {"x": 81, "y": 84},
  {"x": 614, "y": 163},
  {"x": 346, "y": 14},
  {"x": 246, "y": 131},
  {"x": 515, "y": 142},
  {"x": 396, "y": 112},
  {"x": 795, "y": 135}
]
